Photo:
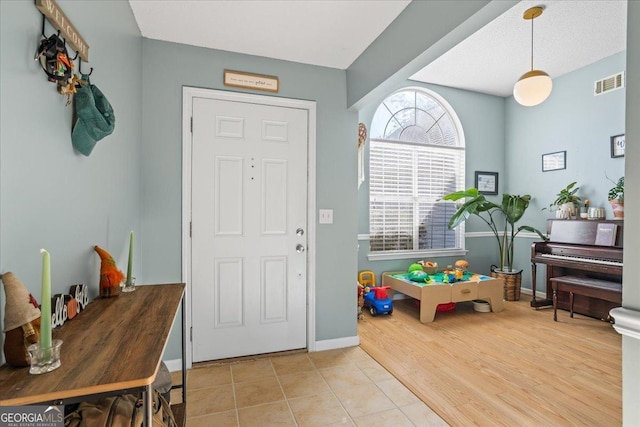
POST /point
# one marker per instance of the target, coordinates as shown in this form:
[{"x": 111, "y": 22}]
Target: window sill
[{"x": 383, "y": 256}]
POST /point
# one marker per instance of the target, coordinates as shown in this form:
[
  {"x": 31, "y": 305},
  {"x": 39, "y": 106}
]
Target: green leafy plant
[
  {"x": 567, "y": 195},
  {"x": 617, "y": 192},
  {"x": 511, "y": 210}
]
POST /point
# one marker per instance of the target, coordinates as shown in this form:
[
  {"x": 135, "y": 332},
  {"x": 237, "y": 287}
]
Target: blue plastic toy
[{"x": 377, "y": 300}]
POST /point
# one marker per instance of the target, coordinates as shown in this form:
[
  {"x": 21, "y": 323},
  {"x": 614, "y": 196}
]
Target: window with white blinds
[{"x": 416, "y": 157}]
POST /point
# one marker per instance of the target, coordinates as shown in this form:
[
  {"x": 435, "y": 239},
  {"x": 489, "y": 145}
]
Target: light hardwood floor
[{"x": 513, "y": 368}]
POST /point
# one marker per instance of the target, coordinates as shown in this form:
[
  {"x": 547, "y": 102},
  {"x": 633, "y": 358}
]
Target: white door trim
[{"x": 188, "y": 93}]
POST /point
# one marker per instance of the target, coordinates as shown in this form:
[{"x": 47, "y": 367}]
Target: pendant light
[{"x": 534, "y": 86}]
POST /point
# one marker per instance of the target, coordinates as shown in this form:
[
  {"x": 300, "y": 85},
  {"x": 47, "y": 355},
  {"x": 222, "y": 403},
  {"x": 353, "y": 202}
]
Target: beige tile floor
[{"x": 334, "y": 387}]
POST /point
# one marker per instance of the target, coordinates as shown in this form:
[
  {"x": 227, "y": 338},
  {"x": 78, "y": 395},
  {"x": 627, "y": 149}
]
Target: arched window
[{"x": 416, "y": 157}]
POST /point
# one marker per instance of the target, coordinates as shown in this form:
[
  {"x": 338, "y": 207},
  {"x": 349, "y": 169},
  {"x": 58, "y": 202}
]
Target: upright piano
[{"x": 590, "y": 249}]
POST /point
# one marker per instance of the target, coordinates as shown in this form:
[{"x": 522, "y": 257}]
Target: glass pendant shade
[{"x": 532, "y": 88}]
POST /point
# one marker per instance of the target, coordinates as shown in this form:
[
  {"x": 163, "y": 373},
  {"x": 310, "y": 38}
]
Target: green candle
[
  {"x": 45, "y": 307},
  {"x": 129, "y": 265}
]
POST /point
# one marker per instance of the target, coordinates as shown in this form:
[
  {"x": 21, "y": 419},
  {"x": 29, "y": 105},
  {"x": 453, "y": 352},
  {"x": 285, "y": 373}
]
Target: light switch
[{"x": 326, "y": 216}]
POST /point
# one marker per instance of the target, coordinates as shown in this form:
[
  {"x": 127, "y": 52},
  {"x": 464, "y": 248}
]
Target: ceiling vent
[{"x": 608, "y": 84}]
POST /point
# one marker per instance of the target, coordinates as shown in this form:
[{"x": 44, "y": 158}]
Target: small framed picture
[
  {"x": 487, "y": 182},
  {"x": 554, "y": 161},
  {"x": 617, "y": 146}
]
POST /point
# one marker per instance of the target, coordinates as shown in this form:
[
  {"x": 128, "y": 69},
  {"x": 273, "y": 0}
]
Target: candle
[
  {"x": 129, "y": 265},
  {"x": 45, "y": 307}
]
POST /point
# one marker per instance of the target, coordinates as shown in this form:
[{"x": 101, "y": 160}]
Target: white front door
[{"x": 249, "y": 228}]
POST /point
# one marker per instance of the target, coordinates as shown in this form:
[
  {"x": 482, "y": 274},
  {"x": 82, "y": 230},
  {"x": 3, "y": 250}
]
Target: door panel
[{"x": 249, "y": 196}]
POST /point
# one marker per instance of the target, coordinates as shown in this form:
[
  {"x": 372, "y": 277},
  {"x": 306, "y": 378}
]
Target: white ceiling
[
  {"x": 329, "y": 33},
  {"x": 569, "y": 35}
]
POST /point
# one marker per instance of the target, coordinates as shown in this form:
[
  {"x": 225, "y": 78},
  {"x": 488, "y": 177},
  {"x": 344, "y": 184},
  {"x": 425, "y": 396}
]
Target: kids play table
[{"x": 431, "y": 295}]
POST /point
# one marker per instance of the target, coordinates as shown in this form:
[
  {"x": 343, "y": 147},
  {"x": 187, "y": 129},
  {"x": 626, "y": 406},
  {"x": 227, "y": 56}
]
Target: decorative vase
[
  {"x": 618, "y": 208},
  {"x": 512, "y": 282}
]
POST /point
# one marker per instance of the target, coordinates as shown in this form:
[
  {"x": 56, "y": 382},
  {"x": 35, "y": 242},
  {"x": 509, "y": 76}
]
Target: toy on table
[
  {"x": 429, "y": 267},
  {"x": 377, "y": 300},
  {"x": 461, "y": 264}
]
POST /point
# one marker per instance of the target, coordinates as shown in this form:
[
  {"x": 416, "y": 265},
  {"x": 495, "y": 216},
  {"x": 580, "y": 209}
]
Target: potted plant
[
  {"x": 566, "y": 201},
  {"x": 616, "y": 197},
  {"x": 510, "y": 211}
]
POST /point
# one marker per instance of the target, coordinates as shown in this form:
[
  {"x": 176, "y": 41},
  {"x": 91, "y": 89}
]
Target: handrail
[{"x": 627, "y": 321}]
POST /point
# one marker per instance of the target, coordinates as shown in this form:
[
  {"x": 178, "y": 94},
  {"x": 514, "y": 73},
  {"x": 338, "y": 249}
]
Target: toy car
[{"x": 377, "y": 301}]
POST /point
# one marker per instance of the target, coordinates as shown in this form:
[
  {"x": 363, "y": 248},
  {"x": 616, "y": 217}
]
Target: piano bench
[{"x": 586, "y": 286}]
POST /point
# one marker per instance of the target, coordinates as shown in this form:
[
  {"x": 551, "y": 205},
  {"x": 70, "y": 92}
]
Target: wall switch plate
[{"x": 326, "y": 216}]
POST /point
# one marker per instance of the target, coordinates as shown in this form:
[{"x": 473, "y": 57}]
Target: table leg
[
  {"x": 147, "y": 405},
  {"x": 430, "y": 297},
  {"x": 493, "y": 291}
]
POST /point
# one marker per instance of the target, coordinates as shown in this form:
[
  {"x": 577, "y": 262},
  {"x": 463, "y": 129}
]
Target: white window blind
[{"x": 409, "y": 177}]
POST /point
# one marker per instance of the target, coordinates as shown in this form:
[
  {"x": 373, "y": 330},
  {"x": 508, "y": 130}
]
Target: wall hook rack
[
  {"x": 80, "y": 68},
  {"x": 52, "y": 12}
]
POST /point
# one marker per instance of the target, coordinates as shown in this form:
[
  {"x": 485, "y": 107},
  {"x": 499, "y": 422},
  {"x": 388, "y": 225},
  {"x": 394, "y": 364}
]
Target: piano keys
[{"x": 572, "y": 251}]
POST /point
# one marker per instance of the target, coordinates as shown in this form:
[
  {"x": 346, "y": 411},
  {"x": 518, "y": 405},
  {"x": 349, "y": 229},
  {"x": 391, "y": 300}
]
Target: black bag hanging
[{"x": 53, "y": 58}]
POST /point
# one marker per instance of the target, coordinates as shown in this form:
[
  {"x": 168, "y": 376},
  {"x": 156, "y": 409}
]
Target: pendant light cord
[{"x": 532, "y": 43}]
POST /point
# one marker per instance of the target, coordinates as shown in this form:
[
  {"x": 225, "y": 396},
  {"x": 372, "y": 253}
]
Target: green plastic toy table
[{"x": 430, "y": 295}]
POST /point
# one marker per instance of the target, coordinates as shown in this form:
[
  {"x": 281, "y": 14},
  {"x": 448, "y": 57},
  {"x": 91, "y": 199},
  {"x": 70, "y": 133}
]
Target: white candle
[{"x": 45, "y": 304}]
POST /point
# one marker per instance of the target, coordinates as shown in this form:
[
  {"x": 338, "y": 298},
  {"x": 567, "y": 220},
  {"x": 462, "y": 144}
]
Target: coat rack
[
  {"x": 59, "y": 21},
  {"x": 65, "y": 41}
]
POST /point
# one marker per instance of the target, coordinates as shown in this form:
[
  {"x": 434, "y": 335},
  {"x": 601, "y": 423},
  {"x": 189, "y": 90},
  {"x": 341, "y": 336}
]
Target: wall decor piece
[
  {"x": 617, "y": 146},
  {"x": 362, "y": 138},
  {"x": 57, "y": 18},
  {"x": 251, "y": 81},
  {"x": 81, "y": 294},
  {"x": 554, "y": 161},
  {"x": 487, "y": 182}
]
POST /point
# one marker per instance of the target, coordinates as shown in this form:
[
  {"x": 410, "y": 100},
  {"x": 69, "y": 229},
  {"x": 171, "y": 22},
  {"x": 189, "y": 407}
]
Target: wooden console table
[{"x": 113, "y": 347}]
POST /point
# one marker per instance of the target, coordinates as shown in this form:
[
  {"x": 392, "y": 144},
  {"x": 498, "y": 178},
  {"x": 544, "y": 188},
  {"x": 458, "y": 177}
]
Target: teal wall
[
  {"x": 630, "y": 288},
  {"x": 572, "y": 119},
  {"x": 335, "y": 166},
  {"x": 50, "y": 195},
  {"x": 482, "y": 119}
]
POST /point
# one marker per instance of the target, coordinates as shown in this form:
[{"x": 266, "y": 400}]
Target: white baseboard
[
  {"x": 337, "y": 343},
  {"x": 527, "y": 291},
  {"x": 173, "y": 365}
]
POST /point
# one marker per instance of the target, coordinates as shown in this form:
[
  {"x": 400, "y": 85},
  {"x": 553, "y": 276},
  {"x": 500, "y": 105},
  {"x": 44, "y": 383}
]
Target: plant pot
[
  {"x": 618, "y": 208},
  {"x": 512, "y": 282},
  {"x": 566, "y": 211}
]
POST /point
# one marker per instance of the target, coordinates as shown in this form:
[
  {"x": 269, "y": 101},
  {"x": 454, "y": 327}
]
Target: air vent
[{"x": 608, "y": 84}]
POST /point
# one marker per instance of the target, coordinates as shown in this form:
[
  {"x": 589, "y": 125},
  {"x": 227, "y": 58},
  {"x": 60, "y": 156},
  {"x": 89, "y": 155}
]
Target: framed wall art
[
  {"x": 251, "y": 81},
  {"x": 617, "y": 146},
  {"x": 487, "y": 182},
  {"x": 554, "y": 161}
]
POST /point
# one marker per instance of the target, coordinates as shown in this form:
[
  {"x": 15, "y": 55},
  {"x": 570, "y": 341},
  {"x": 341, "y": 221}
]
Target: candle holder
[
  {"x": 130, "y": 287},
  {"x": 45, "y": 359}
]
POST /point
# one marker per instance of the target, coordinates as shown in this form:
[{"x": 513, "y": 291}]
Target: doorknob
[
  {"x": 299, "y": 232},
  {"x": 299, "y": 248}
]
